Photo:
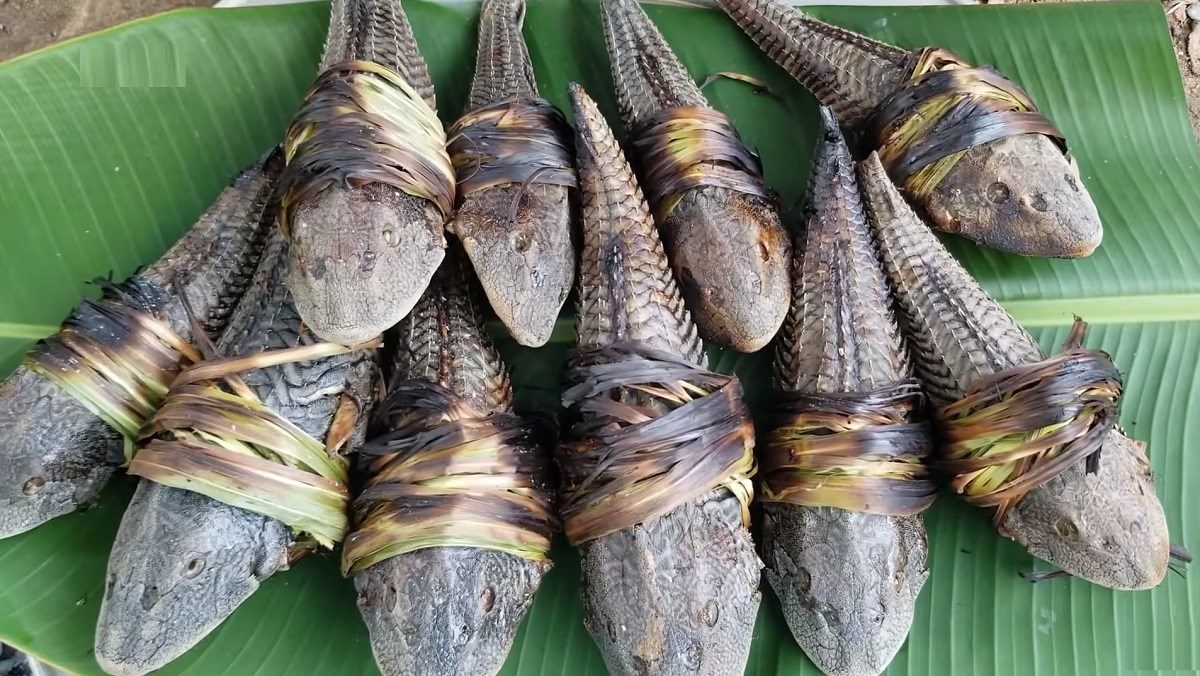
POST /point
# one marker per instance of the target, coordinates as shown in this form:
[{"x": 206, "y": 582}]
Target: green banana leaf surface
[{"x": 112, "y": 144}]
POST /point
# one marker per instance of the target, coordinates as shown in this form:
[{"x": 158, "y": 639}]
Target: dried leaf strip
[
  {"x": 213, "y": 436},
  {"x": 944, "y": 108},
  {"x": 115, "y": 358},
  {"x": 685, "y": 147},
  {"x": 514, "y": 141},
  {"x": 855, "y": 450},
  {"x": 445, "y": 474},
  {"x": 1017, "y": 429},
  {"x": 652, "y": 432},
  {"x": 362, "y": 123}
]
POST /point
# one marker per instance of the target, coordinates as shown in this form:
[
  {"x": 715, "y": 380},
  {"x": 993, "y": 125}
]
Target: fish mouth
[
  {"x": 132, "y": 640},
  {"x": 1107, "y": 527},
  {"x": 850, "y": 614},
  {"x": 526, "y": 270},
  {"x": 181, "y": 563},
  {"x": 1068, "y": 232},
  {"x": 453, "y": 610},
  {"x": 32, "y": 503},
  {"x": 1020, "y": 195}
]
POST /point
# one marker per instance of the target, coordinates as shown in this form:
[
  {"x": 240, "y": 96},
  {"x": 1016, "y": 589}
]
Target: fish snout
[
  {"x": 57, "y": 455},
  {"x": 360, "y": 258},
  {"x": 1021, "y": 195},
  {"x": 28, "y": 499}
]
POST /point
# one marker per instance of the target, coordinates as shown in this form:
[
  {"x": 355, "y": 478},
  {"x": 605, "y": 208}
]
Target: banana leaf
[{"x": 111, "y": 144}]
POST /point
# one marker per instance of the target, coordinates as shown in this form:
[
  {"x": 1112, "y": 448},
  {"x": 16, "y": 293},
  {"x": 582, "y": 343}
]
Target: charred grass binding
[
  {"x": 944, "y": 108},
  {"x": 361, "y": 123},
  {"x": 214, "y": 436},
  {"x": 684, "y": 147},
  {"x": 856, "y": 451},
  {"x": 445, "y": 474},
  {"x": 513, "y": 141},
  {"x": 625, "y": 464},
  {"x": 115, "y": 358},
  {"x": 1015, "y": 430}
]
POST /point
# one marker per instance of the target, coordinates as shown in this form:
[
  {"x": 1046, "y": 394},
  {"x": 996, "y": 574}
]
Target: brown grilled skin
[
  {"x": 728, "y": 249},
  {"x": 58, "y": 455},
  {"x": 1018, "y": 194},
  {"x": 527, "y": 264},
  {"x": 1106, "y": 527},
  {"x": 362, "y": 256},
  {"x": 848, "y": 581},
  {"x": 181, "y": 561},
  {"x": 676, "y": 594},
  {"x": 448, "y": 610}
]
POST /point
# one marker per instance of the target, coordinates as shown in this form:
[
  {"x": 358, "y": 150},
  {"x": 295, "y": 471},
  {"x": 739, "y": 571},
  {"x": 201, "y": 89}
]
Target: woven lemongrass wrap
[
  {"x": 213, "y": 436},
  {"x": 362, "y": 123},
  {"x": 1015, "y": 430},
  {"x": 624, "y": 464},
  {"x": 685, "y": 147},
  {"x": 945, "y": 108},
  {"x": 115, "y": 358},
  {"x": 444, "y": 474},
  {"x": 512, "y": 141},
  {"x": 859, "y": 451}
]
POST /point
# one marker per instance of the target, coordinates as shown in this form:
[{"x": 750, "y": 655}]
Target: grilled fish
[
  {"x": 1108, "y": 526},
  {"x": 448, "y": 610},
  {"x": 181, "y": 561},
  {"x": 58, "y": 454},
  {"x": 1018, "y": 194},
  {"x": 363, "y": 252},
  {"x": 728, "y": 249},
  {"x": 847, "y": 580},
  {"x": 677, "y": 593},
  {"x": 522, "y": 252}
]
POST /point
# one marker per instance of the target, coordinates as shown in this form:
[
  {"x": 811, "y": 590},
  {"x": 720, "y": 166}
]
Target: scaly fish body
[
  {"x": 522, "y": 253},
  {"x": 181, "y": 561},
  {"x": 58, "y": 455},
  {"x": 847, "y": 580},
  {"x": 678, "y": 593},
  {"x": 1107, "y": 527},
  {"x": 728, "y": 249},
  {"x": 362, "y": 255},
  {"x": 448, "y": 610},
  {"x": 1018, "y": 194}
]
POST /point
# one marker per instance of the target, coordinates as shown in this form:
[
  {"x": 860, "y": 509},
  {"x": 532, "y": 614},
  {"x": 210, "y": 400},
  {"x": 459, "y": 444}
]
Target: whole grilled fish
[
  {"x": 847, "y": 580},
  {"x": 58, "y": 454},
  {"x": 728, "y": 249},
  {"x": 181, "y": 561},
  {"x": 364, "y": 251},
  {"x": 517, "y": 235},
  {"x": 448, "y": 610},
  {"x": 1108, "y": 526},
  {"x": 1018, "y": 194},
  {"x": 677, "y": 593}
]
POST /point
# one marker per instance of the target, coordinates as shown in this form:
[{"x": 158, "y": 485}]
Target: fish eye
[
  {"x": 1066, "y": 528},
  {"x": 33, "y": 485},
  {"x": 998, "y": 193},
  {"x": 194, "y": 567}
]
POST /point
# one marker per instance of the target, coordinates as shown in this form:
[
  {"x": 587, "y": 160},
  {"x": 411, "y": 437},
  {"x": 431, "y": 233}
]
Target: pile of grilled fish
[{"x": 869, "y": 299}]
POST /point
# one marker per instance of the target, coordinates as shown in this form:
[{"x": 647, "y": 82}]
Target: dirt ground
[
  {"x": 26, "y": 25},
  {"x": 1186, "y": 32}
]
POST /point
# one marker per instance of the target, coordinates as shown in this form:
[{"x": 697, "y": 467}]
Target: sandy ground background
[{"x": 26, "y": 25}]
